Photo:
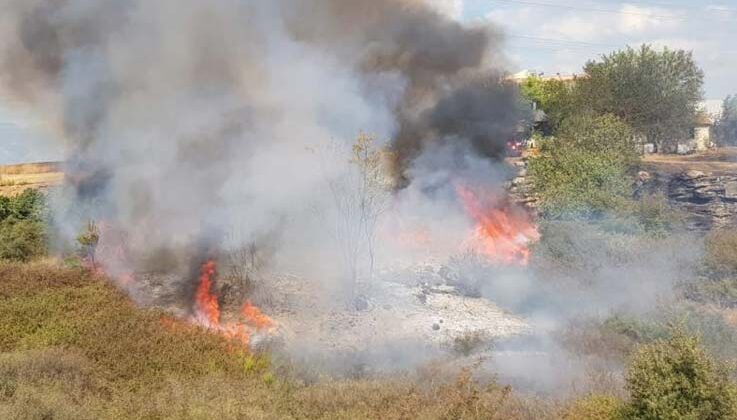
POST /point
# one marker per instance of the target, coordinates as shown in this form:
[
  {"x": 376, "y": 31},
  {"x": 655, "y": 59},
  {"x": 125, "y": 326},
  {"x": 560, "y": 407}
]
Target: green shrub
[
  {"x": 23, "y": 234},
  {"x": 586, "y": 170},
  {"x": 22, "y": 240},
  {"x": 675, "y": 378},
  {"x": 594, "y": 407},
  {"x": 722, "y": 291},
  {"x": 721, "y": 252}
]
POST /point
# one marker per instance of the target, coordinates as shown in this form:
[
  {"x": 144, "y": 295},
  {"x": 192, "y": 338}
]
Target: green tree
[
  {"x": 676, "y": 379},
  {"x": 655, "y": 92},
  {"x": 725, "y": 129},
  {"x": 587, "y": 168},
  {"x": 552, "y": 96}
]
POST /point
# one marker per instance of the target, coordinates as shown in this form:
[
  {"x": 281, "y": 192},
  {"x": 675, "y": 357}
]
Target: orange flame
[
  {"x": 206, "y": 304},
  {"x": 502, "y": 234},
  {"x": 207, "y": 311}
]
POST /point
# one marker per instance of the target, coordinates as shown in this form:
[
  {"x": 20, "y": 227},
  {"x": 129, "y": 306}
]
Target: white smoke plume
[
  {"x": 192, "y": 126},
  {"x": 187, "y": 122}
]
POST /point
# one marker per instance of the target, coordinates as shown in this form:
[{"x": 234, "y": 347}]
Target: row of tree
[
  {"x": 595, "y": 122},
  {"x": 656, "y": 93}
]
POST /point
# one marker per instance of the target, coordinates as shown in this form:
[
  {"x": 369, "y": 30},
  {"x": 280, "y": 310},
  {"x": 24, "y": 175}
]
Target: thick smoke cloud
[
  {"x": 186, "y": 121},
  {"x": 192, "y": 126}
]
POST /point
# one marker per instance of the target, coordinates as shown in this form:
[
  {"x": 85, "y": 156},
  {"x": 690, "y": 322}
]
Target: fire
[
  {"x": 206, "y": 304},
  {"x": 208, "y": 315},
  {"x": 502, "y": 234}
]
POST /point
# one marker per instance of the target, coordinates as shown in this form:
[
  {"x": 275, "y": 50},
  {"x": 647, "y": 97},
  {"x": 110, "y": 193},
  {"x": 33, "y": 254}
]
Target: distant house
[
  {"x": 701, "y": 135},
  {"x": 524, "y": 75}
]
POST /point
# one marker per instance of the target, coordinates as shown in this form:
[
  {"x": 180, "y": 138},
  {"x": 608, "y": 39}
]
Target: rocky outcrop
[
  {"x": 520, "y": 187},
  {"x": 708, "y": 201}
]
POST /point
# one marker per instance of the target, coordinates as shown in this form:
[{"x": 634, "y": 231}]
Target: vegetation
[
  {"x": 594, "y": 407},
  {"x": 359, "y": 199},
  {"x": 599, "y": 121},
  {"x": 73, "y": 347},
  {"x": 23, "y": 233},
  {"x": 655, "y": 92},
  {"x": 552, "y": 96},
  {"x": 676, "y": 379},
  {"x": 718, "y": 284},
  {"x": 725, "y": 129},
  {"x": 88, "y": 241},
  {"x": 587, "y": 168}
]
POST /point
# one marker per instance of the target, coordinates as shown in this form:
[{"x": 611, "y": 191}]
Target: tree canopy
[
  {"x": 655, "y": 92},
  {"x": 726, "y": 127},
  {"x": 678, "y": 379},
  {"x": 586, "y": 169},
  {"x": 552, "y": 96}
]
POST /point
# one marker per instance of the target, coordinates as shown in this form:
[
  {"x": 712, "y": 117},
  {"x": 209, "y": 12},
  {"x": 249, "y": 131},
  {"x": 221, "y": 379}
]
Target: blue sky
[
  {"x": 551, "y": 36},
  {"x": 559, "y": 36}
]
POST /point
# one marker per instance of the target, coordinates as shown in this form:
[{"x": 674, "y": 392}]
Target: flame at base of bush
[
  {"x": 502, "y": 234},
  {"x": 207, "y": 312}
]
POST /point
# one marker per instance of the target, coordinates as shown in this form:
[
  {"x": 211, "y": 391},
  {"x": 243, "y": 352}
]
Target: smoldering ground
[{"x": 196, "y": 125}]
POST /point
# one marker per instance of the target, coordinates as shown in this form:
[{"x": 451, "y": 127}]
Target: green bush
[
  {"x": 29, "y": 205},
  {"x": 722, "y": 291},
  {"x": 22, "y": 240},
  {"x": 594, "y": 407},
  {"x": 721, "y": 252},
  {"x": 23, "y": 233},
  {"x": 675, "y": 378},
  {"x": 586, "y": 169}
]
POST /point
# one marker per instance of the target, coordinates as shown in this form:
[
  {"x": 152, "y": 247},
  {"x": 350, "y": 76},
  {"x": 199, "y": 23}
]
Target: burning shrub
[{"x": 677, "y": 379}]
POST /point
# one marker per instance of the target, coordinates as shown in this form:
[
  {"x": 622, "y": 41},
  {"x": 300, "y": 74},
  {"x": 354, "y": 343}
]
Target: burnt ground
[{"x": 406, "y": 317}]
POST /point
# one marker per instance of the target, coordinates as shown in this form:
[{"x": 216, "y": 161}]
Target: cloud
[
  {"x": 562, "y": 38},
  {"x": 635, "y": 19}
]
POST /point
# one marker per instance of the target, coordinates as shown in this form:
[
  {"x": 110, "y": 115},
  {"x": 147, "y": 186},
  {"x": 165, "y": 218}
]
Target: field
[
  {"x": 16, "y": 178},
  {"x": 73, "y": 347}
]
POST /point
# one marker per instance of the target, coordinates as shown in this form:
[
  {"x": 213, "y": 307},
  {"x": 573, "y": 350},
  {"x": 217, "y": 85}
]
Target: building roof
[{"x": 523, "y": 75}]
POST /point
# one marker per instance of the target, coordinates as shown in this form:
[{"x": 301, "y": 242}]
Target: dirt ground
[
  {"x": 14, "y": 179},
  {"x": 720, "y": 161}
]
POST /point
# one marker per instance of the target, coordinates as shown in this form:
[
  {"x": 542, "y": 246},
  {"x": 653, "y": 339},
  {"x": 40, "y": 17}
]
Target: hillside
[{"x": 73, "y": 347}]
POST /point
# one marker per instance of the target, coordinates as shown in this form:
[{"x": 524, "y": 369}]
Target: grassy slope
[{"x": 72, "y": 347}]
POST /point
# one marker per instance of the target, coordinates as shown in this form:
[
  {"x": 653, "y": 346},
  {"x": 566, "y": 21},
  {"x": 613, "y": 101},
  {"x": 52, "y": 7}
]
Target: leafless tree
[{"x": 359, "y": 199}]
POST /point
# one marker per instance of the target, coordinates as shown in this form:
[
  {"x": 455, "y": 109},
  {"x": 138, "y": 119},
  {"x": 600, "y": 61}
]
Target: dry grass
[
  {"x": 16, "y": 178},
  {"x": 73, "y": 347}
]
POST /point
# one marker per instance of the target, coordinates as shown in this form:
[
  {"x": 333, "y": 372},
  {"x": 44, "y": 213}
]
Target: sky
[
  {"x": 550, "y": 36},
  {"x": 560, "y": 36}
]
